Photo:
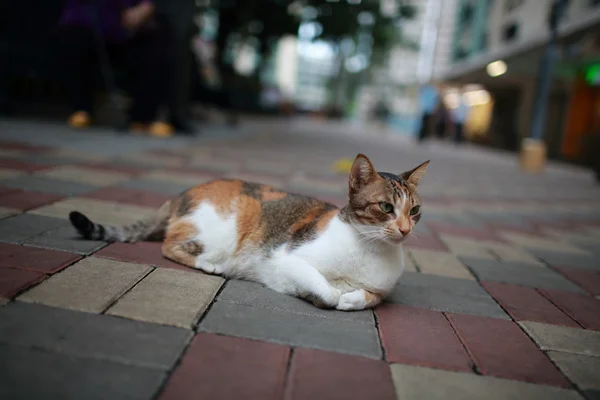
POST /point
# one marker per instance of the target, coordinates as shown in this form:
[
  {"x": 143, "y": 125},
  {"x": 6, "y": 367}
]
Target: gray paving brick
[
  {"x": 168, "y": 296},
  {"x": 254, "y": 294},
  {"x": 453, "y": 285},
  {"x": 443, "y": 300},
  {"x": 37, "y": 374},
  {"x": 171, "y": 188},
  {"x": 419, "y": 383},
  {"x": 47, "y": 185},
  {"x": 584, "y": 371},
  {"x": 88, "y": 335},
  {"x": 567, "y": 260},
  {"x": 592, "y": 394},
  {"x": 292, "y": 329},
  {"x": 65, "y": 238},
  {"x": 89, "y": 285},
  {"x": 562, "y": 338},
  {"x": 519, "y": 274},
  {"x": 20, "y": 228}
]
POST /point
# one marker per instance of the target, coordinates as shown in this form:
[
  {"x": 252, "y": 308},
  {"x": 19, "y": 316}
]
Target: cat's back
[{"x": 253, "y": 215}]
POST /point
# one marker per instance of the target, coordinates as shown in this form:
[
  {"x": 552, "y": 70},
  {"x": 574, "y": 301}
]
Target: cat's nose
[{"x": 404, "y": 232}]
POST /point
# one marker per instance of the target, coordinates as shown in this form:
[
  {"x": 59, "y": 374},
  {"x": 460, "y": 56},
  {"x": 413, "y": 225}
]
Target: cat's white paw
[
  {"x": 352, "y": 301},
  {"x": 209, "y": 268}
]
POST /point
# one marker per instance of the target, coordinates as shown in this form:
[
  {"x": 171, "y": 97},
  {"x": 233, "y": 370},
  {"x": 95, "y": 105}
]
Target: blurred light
[
  {"x": 295, "y": 8},
  {"x": 332, "y": 1},
  {"x": 255, "y": 27},
  {"x": 356, "y": 63},
  {"x": 310, "y": 12},
  {"x": 309, "y": 30},
  {"x": 365, "y": 18},
  {"x": 496, "y": 68},
  {"x": 452, "y": 99},
  {"x": 354, "y": 1},
  {"x": 477, "y": 98},
  {"x": 347, "y": 46}
]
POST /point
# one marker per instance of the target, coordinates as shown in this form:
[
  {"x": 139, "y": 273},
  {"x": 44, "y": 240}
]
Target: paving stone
[
  {"x": 63, "y": 377},
  {"x": 3, "y": 301},
  {"x": 115, "y": 167},
  {"x": 91, "y": 285},
  {"x": 582, "y": 308},
  {"x": 409, "y": 263},
  {"x": 13, "y": 281},
  {"x": 472, "y": 231},
  {"x": 23, "y": 201},
  {"x": 221, "y": 367},
  {"x": 582, "y": 370},
  {"x": 534, "y": 243},
  {"x": 318, "y": 374},
  {"x": 587, "y": 280},
  {"x": 88, "y": 335},
  {"x": 264, "y": 179},
  {"x": 142, "y": 253},
  {"x": 47, "y": 185},
  {"x": 22, "y": 227},
  {"x": 67, "y": 239},
  {"x": 527, "y": 304},
  {"x": 500, "y": 348},
  {"x": 444, "y": 294},
  {"x": 171, "y": 188},
  {"x": 81, "y": 174},
  {"x": 519, "y": 274},
  {"x": 568, "y": 260},
  {"x": 420, "y": 337},
  {"x": 104, "y": 212},
  {"x": 7, "y": 212},
  {"x": 440, "y": 263},
  {"x": 292, "y": 329},
  {"x": 509, "y": 253},
  {"x": 466, "y": 247},
  {"x": 214, "y": 164},
  {"x": 425, "y": 242},
  {"x": 130, "y": 196},
  {"x": 6, "y": 173},
  {"x": 255, "y": 294},
  {"x": 416, "y": 383},
  {"x": 21, "y": 166},
  {"x": 188, "y": 179},
  {"x": 560, "y": 338},
  {"x": 33, "y": 259},
  {"x": 169, "y": 297},
  {"x": 591, "y": 394}
]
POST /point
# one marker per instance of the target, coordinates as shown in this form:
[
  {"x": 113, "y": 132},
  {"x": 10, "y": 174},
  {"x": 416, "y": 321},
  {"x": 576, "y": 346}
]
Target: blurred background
[{"x": 473, "y": 70}]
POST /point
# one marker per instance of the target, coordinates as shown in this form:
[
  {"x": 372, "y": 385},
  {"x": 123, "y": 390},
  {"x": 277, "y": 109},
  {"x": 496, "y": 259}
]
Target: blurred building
[{"x": 498, "y": 44}]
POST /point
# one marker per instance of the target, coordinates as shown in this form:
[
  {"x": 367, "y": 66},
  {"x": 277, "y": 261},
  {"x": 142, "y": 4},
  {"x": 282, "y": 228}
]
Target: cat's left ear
[{"x": 414, "y": 175}]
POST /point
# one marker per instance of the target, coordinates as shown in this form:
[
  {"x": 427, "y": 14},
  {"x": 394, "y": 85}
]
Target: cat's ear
[
  {"x": 414, "y": 175},
  {"x": 362, "y": 172}
]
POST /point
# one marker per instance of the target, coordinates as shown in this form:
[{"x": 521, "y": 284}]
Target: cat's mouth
[{"x": 396, "y": 239}]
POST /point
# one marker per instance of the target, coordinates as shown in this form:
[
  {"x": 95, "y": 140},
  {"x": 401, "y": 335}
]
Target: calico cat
[{"x": 348, "y": 258}]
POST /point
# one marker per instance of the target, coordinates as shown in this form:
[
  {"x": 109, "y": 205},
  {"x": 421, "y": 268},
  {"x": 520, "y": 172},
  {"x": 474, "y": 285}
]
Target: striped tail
[{"x": 151, "y": 228}]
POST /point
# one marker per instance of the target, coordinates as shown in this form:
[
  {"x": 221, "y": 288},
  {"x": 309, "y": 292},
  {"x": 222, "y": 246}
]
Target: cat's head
[{"x": 384, "y": 206}]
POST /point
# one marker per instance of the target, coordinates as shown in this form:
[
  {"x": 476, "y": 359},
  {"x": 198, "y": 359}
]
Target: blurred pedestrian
[
  {"x": 429, "y": 100},
  {"x": 132, "y": 35},
  {"x": 459, "y": 117}
]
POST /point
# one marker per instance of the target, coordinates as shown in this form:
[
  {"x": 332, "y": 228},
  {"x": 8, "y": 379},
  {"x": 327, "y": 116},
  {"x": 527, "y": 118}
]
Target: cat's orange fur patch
[
  {"x": 219, "y": 193},
  {"x": 372, "y": 299},
  {"x": 325, "y": 220},
  {"x": 249, "y": 211}
]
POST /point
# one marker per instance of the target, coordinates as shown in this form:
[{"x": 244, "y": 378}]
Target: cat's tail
[{"x": 149, "y": 228}]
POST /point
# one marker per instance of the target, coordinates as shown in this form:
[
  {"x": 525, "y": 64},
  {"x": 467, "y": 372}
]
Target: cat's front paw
[{"x": 352, "y": 301}]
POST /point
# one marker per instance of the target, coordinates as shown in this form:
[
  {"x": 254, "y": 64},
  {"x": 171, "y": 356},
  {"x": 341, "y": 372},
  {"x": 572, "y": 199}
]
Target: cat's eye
[
  {"x": 414, "y": 210},
  {"x": 386, "y": 207}
]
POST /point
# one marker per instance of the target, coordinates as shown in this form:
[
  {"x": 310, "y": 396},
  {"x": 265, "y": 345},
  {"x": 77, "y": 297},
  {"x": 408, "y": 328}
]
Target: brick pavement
[{"x": 500, "y": 299}]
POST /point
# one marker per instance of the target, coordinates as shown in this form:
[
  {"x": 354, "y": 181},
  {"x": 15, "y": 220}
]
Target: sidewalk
[{"x": 501, "y": 298}]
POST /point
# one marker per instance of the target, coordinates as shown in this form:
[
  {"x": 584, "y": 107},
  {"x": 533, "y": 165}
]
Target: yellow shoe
[
  {"x": 161, "y": 129},
  {"x": 138, "y": 128},
  {"x": 79, "y": 119}
]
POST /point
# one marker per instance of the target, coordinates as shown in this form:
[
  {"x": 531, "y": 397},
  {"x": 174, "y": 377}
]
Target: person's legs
[
  {"x": 459, "y": 132},
  {"x": 146, "y": 53},
  {"x": 425, "y": 122},
  {"x": 78, "y": 63}
]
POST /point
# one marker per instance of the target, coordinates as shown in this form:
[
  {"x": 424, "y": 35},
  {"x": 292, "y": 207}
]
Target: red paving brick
[
  {"x": 5, "y": 191},
  {"x": 24, "y": 200},
  {"x": 34, "y": 258},
  {"x": 500, "y": 348},
  {"x": 582, "y": 308},
  {"x": 9, "y": 145},
  {"x": 420, "y": 337},
  {"x": 129, "y": 196},
  {"x": 221, "y": 367},
  {"x": 318, "y": 374},
  {"x": 125, "y": 169},
  {"x": 587, "y": 280},
  {"x": 13, "y": 281},
  {"x": 527, "y": 304},
  {"x": 22, "y": 166},
  {"x": 425, "y": 242},
  {"x": 141, "y": 253}
]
